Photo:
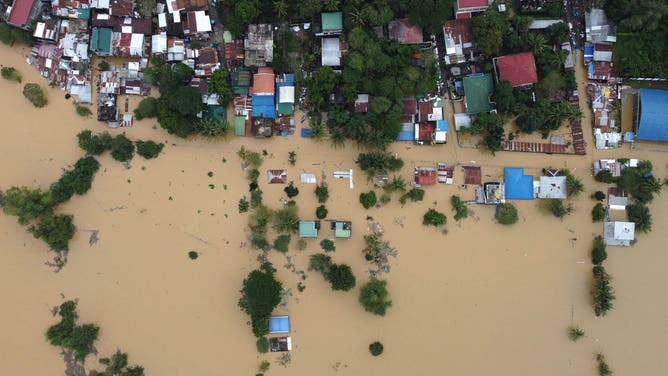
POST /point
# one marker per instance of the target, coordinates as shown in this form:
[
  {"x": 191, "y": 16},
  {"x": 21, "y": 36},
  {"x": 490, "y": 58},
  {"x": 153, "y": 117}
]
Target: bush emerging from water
[
  {"x": 27, "y": 204},
  {"x": 193, "y": 255},
  {"x": 327, "y": 245},
  {"x": 11, "y": 74},
  {"x": 291, "y": 191},
  {"x": 598, "y": 196},
  {"x": 243, "y": 205},
  {"x": 598, "y": 253},
  {"x": 76, "y": 181},
  {"x": 321, "y": 212},
  {"x": 368, "y": 199},
  {"x": 461, "y": 211},
  {"x": 415, "y": 194},
  {"x": 602, "y": 293},
  {"x": 260, "y": 294},
  {"x": 340, "y": 277},
  {"x": 320, "y": 262},
  {"x": 376, "y": 348},
  {"x": 373, "y": 297},
  {"x": 94, "y": 144},
  {"x": 575, "y": 333},
  {"x": 122, "y": 149},
  {"x": 434, "y": 218},
  {"x": 281, "y": 243},
  {"x": 83, "y": 111},
  {"x": 640, "y": 215},
  {"x": 33, "y": 92},
  {"x": 262, "y": 345},
  {"x": 603, "y": 368},
  {"x": 598, "y": 213},
  {"x": 68, "y": 335},
  {"x": 556, "y": 207},
  {"x": 322, "y": 193},
  {"x": 149, "y": 149},
  {"x": 507, "y": 214},
  {"x": 54, "y": 230}
]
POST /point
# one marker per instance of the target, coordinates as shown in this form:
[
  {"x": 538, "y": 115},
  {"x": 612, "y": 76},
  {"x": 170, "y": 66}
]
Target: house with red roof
[
  {"x": 21, "y": 11},
  {"x": 425, "y": 175},
  {"x": 519, "y": 69},
  {"x": 405, "y": 32},
  {"x": 465, "y": 8}
]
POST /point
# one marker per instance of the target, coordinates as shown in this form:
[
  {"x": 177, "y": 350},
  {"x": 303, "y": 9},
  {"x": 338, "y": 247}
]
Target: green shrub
[
  {"x": 281, "y": 243},
  {"x": 256, "y": 198},
  {"x": 368, "y": 199},
  {"x": 11, "y": 74},
  {"x": 83, "y": 111},
  {"x": 301, "y": 244},
  {"x": 602, "y": 293},
  {"x": 640, "y": 215},
  {"x": 373, "y": 297},
  {"x": 66, "y": 334},
  {"x": 461, "y": 211},
  {"x": 507, "y": 214},
  {"x": 598, "y": 213},
  {"x": 321, "y": 212},
  {"x": 193, "y": 255},
  {"x": 415, "y": 194},
  {"x": 397, "y": 184},
  {"x": 264, "y": 366},
  {"x": 243, "y": 205},
  {"x": 556, "y": 207},
  {"x": 94, "y": 144},
  {"x": 54, "y": 230},
  {"x": 322, "y": 193},
  {"x": 250, "y": 158},
  {"x": 122, "y": 149},
  {"x": 286, "y": 219},
  {"x": 603, "y": 368},
  {"x": 76, "y": 181},
  {"x": 260, "y": 294},
  {"x": 605, "y": 176},
  {"x": 27, "y": 204},
  {"x": 598, "y": 253},
  {"x": 262, "y": 345},
  {"x": 291, "y": 190},
  {"x": 149, "y": 149},
  {"x": 208, "y": 127},
  {"x": 34, "y": 93},
  {"x": 320, "y": 262},
  {"x": 599, "y": 196},
  {"x": 292, "y": 158},
  {"x": 147, "y": 108},
  {"x": 327, "y": 245},
  {"x": 376, "y": 348},
  {"x": 434, "y": 218},
  {"x": 340, "y": 277},
  {"x": 575, "y": 333}
]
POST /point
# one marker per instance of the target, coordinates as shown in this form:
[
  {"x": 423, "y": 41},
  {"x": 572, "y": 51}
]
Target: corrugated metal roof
[{"x": 653, "y": 115}]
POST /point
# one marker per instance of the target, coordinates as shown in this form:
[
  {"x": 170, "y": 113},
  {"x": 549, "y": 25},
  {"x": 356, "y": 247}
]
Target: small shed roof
[
  {"x": 279, "y": 324},
  {"x": 332, "y": 21},
  {"x": 519, "y": 69},
  {"x": 307, "y": 229},
  {"x": 518, "y": 185}
]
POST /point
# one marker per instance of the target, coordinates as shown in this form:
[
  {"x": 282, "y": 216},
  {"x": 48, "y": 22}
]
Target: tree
[
  {"x": 281, "y": 243},
  {"x": 94, "y": 144},
  {"x": 286, "y": 220},
  {"x": 321, "y": 212},
  {"x": 603, "y": 368},
  {"x": 598, "y": 253},
  {"x": 147, "y": 108},
  {"x": 575, "y": 333},
  {"x": 640, "y": 215},
  {"x": 11, "y": 74},
  {"x": 396, "y": 184},
  {"x": 103, "y": 66},
  {"x": 602, "y": 293},
  {"x": 573, "y": 184},
  {"x": 122, "y": 149},
  {"x": 598, "y": 196},
  {"x": 605, "y": 176},
  {"x": 243, "y": 205},
  {"x": 148, "y": 149},
  {"x": 430, "y": 14},
  {"x": 27, "y": 204},
  {"x": 55, "y": 230},
  {"x": 340, "y": 277},
  {"x": 118, "y": 365},
  {"x": 557, "y": 33},
  {"x": 506, "y": 214},
  {"x": 260, "y": 294},
  {"x": 322, "y": 193},
  {"x": 415, "y": 194},
  {"x": 320, "y": 262},
  {"x": 491, "y": 126},
  {"x": 461, "y": 211},
  {"x": 83, "y": 111},
  {"x": 488, "y": 32},
  {"x": 378, "y": 162},
  {"x": 327, "y": 245},
  {"x": 34, "y": 93},
  {"x": 219, "y": 83},
  {"x": 504, "y": 98},
  {"x": 434, "y": 218},
  {"x": 208, "y": 127},
  {"x": 373, "y": 297},
  {"x": 78, "y": 338},
  {"x": 376, "y": 348},
  {"x": 291, "y": 190},
  {"x": 76, "y": 181},
  {"x": 146, "y": 7},
  {"x": 368, "y": 199},
  {"x": 556, "y": 207},
  {"x": 598, "y": 213},
  {"x": 551, "y": 85},
  {"x": 262, "y": 345}
]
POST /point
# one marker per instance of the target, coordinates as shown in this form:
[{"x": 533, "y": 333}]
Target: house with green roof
[
  {"x": 478, "y": 89},
  {"x": 309, "y": 229},
  {"x": 100, "y": 42},
  {"x": 239, "y": 125},
  {"x": 331, "y": 24},
  {"x": 240, "y": 81},
  {"x": 342, "y": 229}
]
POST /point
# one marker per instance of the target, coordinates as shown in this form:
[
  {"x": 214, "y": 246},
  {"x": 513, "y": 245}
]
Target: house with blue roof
[
  {"x": 653, "y": 114},
  {"x": 517, "y": 185}
]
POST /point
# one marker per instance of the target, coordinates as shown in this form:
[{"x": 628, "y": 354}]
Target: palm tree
[
  {"x": 356, "y": 17},
  {"x": 537, "y": 43},
  {"x": 331, "y": 5},
  {"x": 281, "y": 8}
]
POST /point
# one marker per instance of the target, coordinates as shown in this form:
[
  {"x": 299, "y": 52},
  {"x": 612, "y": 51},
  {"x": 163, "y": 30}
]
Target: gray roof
[
  {"x": 552, "y": 187},
  {"x": 619, "y": 233},
  {"x": 598, "y": 28}
]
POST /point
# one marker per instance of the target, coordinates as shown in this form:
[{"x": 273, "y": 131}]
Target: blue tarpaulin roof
[
  {"x": 588, "y": 52},
  {"x": 279, "y": 324},
  {"x": 518, "y": 185},
  {"x": 307, "y": 132},
  {"x": 442, "y": 125},
  {"x": 406, "y": 136},
  {"x": 653, "y": 115},
  {"x": 263, "y": 105}
]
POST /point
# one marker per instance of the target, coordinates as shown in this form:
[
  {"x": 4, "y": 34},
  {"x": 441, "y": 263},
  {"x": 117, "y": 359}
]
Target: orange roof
[{"x": 263, "y": 82}]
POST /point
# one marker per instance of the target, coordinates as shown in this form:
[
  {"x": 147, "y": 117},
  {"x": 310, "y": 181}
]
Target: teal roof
[
  {"x": 215, "y": 112},
  {"x": 286, "y": 108},
  {"x": 307, "y": 229},
  {"x": 340, "y": 232},
  {"x": 239, "y": 126},
  {"x": 332, "y": 21},
  {"x": 101, "y": 40},
  {"x": 477, "y": 89},
  {"x": 83, "y": 13}
]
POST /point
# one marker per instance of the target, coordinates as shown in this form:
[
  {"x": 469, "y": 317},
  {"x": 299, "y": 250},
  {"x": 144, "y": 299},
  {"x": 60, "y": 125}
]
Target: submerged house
[
  {"x": 279, "y": 324},
  {"x": 22, "y": 12},
  {"x": 552, "y": 187},
  {"x": 619, "y": 233},
  {"x": 518, "y": 186},
  {"x": 425, "y": 175},
  {"x": 342, "y": 229},
  {"x": 308, "y": 229},
  {"x": 617, "y": 199}
]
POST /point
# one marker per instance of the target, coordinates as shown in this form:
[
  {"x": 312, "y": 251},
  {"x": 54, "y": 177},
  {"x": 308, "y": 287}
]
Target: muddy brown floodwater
[{"x": 481, "y": 299}]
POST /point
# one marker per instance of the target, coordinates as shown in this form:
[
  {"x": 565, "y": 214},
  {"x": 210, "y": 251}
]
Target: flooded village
[{"x": 472, "y": 192}]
